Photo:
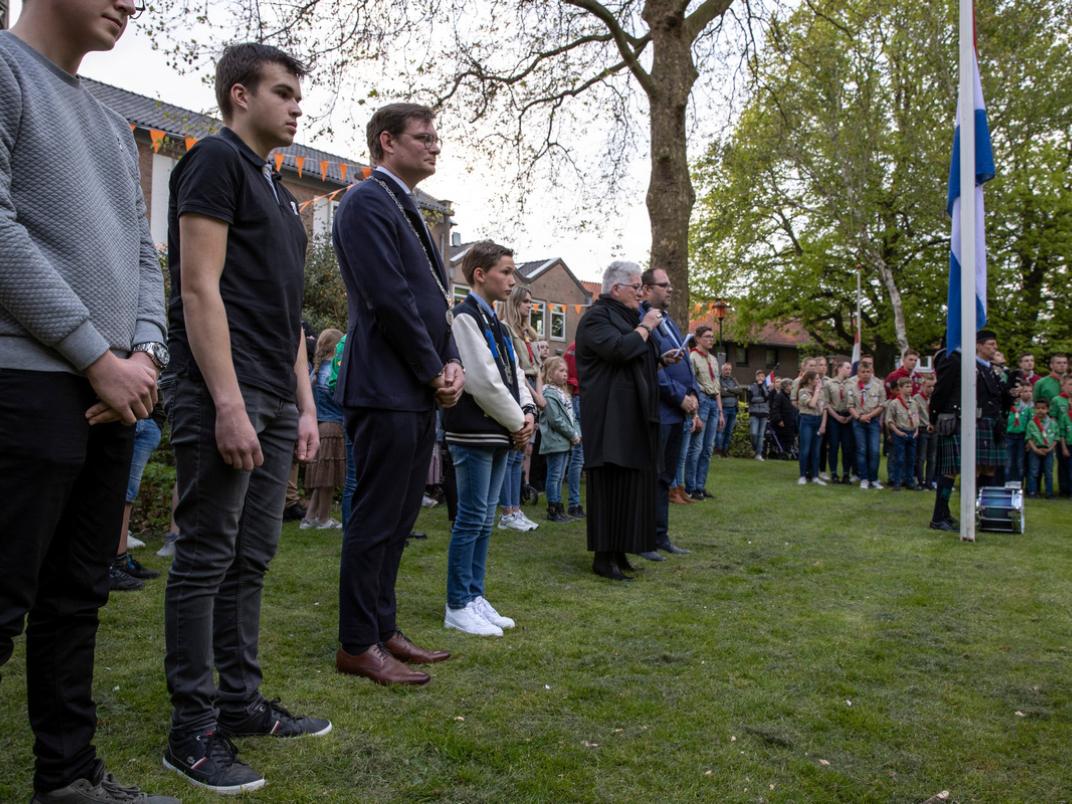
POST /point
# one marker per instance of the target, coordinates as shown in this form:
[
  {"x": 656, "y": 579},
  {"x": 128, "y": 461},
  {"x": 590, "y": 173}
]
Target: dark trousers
[
  {"x": 669, "y": 452},
  {"x": 1064, "y": 473},
  {"x": 229, "y": 525},
  {"x": 927, "y": 458},
  {"x": 840, "y": 434},
  {"x": 62, "y": 486},
  {"x": 393, "y": 450}
]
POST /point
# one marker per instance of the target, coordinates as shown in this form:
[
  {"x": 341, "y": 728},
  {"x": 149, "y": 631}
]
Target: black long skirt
[{"x": 621, "y": 509}]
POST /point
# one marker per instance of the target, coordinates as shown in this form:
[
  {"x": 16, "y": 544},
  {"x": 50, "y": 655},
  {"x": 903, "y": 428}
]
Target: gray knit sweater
[{"x": 79, "y": 274}]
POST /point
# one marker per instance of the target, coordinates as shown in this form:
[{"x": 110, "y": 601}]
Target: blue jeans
[
  {"x": 1014, "y": 457},
  {"x": 681, "y": 476},
  {"x": 479, "y": 473},
  {"x": 698, "y": 461},
  {"x": 726, "y": 432},
  {"x": 511, "y": 485},
  {"x": 1039, "y": 465},
  {"x": 146, "y": 439},
  {"x": 556, "y": 468},
  {"x": 867, "y": 436},
  {"x": 903, "y": 464},
  {"x": 757, "y": 430},
  {"x": 840, "y": 440},
  {"x": 576, "y": 461},
  {"x": 809, "y": 445},
  {"x": 351, "y": 480}
]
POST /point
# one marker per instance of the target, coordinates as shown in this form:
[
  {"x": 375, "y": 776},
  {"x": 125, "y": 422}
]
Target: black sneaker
[
  {"x": 576, "y": 511},
  {"x": 210, "y": 760},
  {"x": 134, "y": 568},
  {"x": 120, "y": 581},
  {"x": 100, "y": 788},
  {"x": 269, "y": 718},
  {"x": 293, "y": 512}
]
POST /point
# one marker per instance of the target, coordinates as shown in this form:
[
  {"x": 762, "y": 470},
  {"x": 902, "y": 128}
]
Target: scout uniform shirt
[
  {"x": 901, "y": 413},
  {"x": 705, "y": 368},
  {"x": 922, "y": 405},
  {"x": 1019, "y": 418},
  {"x": 1042, "y": 432},
  {"x": 837, "y": 395},
  {"x": 804, "y": 398},
  {"x": 865, "y": 398}
]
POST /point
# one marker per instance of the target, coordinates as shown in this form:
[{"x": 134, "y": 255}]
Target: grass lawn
[{"x": 819, "y": 644}]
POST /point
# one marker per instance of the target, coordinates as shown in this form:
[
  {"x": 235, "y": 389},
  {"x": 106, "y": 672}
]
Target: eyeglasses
[
  {"x": 429, "y": 141},
  {"x": 139, "y": 9},
  {"x": 636, "y": 288}
]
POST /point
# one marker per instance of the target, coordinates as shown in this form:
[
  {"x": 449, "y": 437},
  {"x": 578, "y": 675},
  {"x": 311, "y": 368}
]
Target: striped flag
[
  {"x": 856, "y": 346},
  {"x": 984, "y": 172}
]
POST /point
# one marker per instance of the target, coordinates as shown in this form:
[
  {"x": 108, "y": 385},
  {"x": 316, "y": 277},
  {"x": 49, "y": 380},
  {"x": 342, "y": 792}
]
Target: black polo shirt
[{"x": 264, "y": 273}]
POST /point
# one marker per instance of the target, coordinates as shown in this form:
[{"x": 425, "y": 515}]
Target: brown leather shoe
[
  {"x": 679, "y": 497},
  {"x": 380, "y": 666},
  {"x": 405, "y": 651}
]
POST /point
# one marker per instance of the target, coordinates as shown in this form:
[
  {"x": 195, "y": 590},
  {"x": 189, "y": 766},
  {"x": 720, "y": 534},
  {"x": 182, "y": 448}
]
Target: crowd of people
[{"x": 88, "y": 338}]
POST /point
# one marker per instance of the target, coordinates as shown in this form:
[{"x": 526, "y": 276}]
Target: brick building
[
  {"x": 774, "y": 345},
  {"x": 559, "y": 299},
  {"x": 163, "y": 133}
]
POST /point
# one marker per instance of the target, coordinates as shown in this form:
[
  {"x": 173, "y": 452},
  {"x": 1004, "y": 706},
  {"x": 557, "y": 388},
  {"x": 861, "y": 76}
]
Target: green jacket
[
  {"x": 1043, "y": 436},
  {"x": 336, "y": 362},
  {"x": 1019, "y": 417},
  {"x": 557, "y": 427}
]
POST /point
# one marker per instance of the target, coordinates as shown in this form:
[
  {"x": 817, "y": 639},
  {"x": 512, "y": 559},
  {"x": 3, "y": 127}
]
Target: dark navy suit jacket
[
  {"x": 675, "y": 381},
  {"x": 398, "y": 338}
]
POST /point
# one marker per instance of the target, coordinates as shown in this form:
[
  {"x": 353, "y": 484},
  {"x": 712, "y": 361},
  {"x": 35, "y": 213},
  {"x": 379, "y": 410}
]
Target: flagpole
[{"x": 967, "y": 270}]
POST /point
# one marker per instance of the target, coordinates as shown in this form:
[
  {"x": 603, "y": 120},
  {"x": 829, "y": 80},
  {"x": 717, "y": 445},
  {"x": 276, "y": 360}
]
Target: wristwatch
[{"x": 157, "y": 352}]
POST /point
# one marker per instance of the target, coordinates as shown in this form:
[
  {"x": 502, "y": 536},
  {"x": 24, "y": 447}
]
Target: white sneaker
[
  {"x": 133, "y": 542},
  {"x": 428, "y": 502},
  {"x": 168, "y": 548},
  {"x": 864, "y": 484},
  {"x": 487, "y": 611},
  {"x": 329, "y": 524},
  {"x": 854, "y": 478},
  {"x": 824, "y": 476},
  {"x": 513, "y": 522},
  {"x": 306, "y": 524},
  {"x": 526, "y": 521},
  {"x": 469, "y": 621},
  {"x": 818, "y": 481},
  {"x": 876, "y": 485},
  {"x": 802, "y": 481}
]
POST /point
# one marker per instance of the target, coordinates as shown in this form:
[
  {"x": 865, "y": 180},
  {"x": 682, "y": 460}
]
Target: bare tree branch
[{"x": 628, "y": 45}]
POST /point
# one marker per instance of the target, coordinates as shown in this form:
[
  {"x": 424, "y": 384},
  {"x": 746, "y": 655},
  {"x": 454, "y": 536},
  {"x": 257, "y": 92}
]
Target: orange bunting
[
  {"x": 366, "y": 171},
  {"x": 343, "y": 167},
  {"x": 157, "y": 136},
  {"x": 578, "y": 307},
  {"x": 190, "y": 142},
  {"x": 323, "y": 170},
  {"x": 279, "y": 161},
  {"x": 133, "y": 126},
  {"x": 300, "y": 162}
]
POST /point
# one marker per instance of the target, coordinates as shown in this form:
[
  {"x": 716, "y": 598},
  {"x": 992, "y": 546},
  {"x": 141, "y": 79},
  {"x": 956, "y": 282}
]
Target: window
[
  {"x": 538, "y": 318},
  {"x": 558, "y": 322},
  {"x": 740, "y": 355},
  {"x": 324, "y": 216},
  {"x": 460, "y": 292},
  {"x": 772, "y": 357}
]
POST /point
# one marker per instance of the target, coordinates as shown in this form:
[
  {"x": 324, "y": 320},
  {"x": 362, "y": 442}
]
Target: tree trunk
[
  {"x": 670, "y": 193},
  {"x": 899, "y": 328}
]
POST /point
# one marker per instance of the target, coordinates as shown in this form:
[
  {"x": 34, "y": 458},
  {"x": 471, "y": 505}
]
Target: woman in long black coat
[{"x": 616, "y": 367}]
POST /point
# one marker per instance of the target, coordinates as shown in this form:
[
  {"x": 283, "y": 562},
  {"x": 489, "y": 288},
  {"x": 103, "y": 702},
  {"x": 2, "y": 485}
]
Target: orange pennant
[
  {"x": 133, "y": 126},
  {"x": 323, "y": 170},
  {"x": 343, "y": 167},
  {"x": 366, "y": 171},
  {"x": 578, "y": 307},
  {"x": 190, "y": 142},
  {"x": 300, "y": 162},
  {"x": 157, "y": 136},
  {"x": 279, "y": 161}
]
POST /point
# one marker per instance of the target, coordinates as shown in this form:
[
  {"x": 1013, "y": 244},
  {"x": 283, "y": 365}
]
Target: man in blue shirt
[{"x": 678, "y": 397}]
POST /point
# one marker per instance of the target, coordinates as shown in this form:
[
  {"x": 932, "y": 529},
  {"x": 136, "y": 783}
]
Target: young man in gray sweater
[{"x": 81, "y": 341}]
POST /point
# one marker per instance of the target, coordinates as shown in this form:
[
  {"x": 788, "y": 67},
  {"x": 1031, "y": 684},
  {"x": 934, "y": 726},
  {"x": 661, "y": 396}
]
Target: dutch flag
[{"x": 984, "y": 172}]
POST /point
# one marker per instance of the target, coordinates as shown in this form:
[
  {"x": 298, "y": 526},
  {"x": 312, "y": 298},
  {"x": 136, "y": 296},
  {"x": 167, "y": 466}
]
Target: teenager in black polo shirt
[{"x": 236, "y": 248}]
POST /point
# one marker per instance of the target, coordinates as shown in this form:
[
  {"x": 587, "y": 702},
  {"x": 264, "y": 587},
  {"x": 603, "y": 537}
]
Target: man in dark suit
[{"x": 399, "y": 362}]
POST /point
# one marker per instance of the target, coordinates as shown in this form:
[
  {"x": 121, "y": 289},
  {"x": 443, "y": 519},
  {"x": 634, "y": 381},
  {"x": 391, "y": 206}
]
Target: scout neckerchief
[
  {"x": 911, "y": 416},
  {"x": 1042, "y": 431},
  {"x": 431, "y": 266}
]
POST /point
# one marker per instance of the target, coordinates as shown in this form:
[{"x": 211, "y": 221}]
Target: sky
[{"x": 134, "y": 65}]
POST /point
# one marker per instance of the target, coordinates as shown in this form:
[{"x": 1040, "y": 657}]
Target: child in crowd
[
  {"x": 559, "y": 433},
  {"x": 325, "y": 475},
  {"x": 839, "y": 421},
  {"x": 866, "y": 406},
  {"x": 812, "y": 408},
  {"x": 1062, "y": 414},
  {"x": 1041, "y": 442},
  {"x": 1016, "y": 434},
  {"x": 903, "y": 422},
  {"x": 758, "y": 412},
  {"x": 926, "y": 439}
]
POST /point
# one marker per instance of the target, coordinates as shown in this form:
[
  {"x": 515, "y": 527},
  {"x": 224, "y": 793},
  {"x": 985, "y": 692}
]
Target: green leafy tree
[
  {"x": 840, "y": 160},
  {"x": 325, "y": 293}
]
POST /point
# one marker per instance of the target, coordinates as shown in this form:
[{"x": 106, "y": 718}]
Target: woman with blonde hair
[
  {"x": 326, "y": 474},
  {"x": 523, "y": 336}
]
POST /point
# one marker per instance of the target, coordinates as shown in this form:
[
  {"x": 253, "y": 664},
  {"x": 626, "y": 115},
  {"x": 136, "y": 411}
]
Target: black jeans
[
  {"x": 62, "y": 485},
  {"x": 392, "y": 450},
  {"x": 670, "y": 436},
  {"x": 229, "y": 525}
]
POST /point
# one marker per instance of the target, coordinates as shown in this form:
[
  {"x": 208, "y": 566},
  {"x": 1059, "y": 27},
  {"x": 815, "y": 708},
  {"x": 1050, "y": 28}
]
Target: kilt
[{"x": 989, "y": 449}]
